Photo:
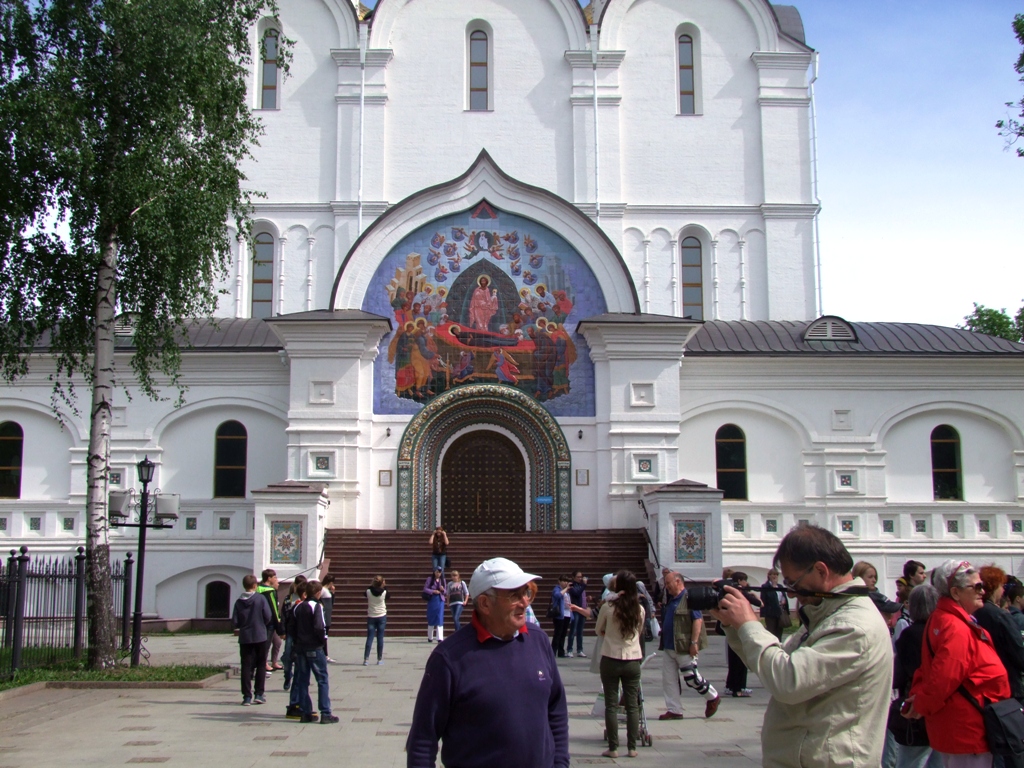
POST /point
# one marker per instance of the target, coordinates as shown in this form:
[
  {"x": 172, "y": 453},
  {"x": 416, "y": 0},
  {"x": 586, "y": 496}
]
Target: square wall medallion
[
  {"x": 691, "y": 543},
  {"x": 191, "y": 523},
  {"x": 286, "y": 542}
]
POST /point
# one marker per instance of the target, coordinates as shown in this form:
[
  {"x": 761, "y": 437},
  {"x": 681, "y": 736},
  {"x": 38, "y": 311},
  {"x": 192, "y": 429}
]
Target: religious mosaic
[
  {"x": 484, "y": 297},
  {"x": 691, "y": 541},
  {"x": 286, "y": 542}
]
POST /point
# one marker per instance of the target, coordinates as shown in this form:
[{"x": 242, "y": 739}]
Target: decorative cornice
[
  {"x": 799, "y": 60},
  {"x": 349, "y": 57},
  {"x": 371, "y": 208},
  {"x": 369, "y": 98},
  {"x": 694, "y": 210},
  {"x": 784, "y": 101},
  {"x": 789, "y": 210},
  {"x": 605, "y": 59},
  {"x": 582, "y": 100},
  {"x": 608, "y": 210}
]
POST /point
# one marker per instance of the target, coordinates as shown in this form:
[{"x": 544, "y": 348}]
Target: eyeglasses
[
  {"x": 514, "y": 595},
  {"x": 979, "y": 587},
  {"x": 791, "y": 586}
]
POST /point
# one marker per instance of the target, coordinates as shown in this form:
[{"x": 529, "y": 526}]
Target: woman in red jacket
[{"x": 957, "y": 652}]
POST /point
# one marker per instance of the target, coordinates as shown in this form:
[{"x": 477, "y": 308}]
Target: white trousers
[{"x": 677, "y": 668}]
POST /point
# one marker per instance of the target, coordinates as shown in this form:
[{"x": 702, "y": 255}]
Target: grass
[{"x": 76, "y": 671}]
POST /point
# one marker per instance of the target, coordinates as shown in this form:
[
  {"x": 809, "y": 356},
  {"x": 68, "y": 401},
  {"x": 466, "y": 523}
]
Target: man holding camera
[
  {"x": 830, "y": 681},
  {"x": 683, "y": 636}
]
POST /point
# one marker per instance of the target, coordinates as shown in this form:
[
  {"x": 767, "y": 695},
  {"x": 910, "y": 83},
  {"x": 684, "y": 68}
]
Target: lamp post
[{"x": 117, "y": 506}]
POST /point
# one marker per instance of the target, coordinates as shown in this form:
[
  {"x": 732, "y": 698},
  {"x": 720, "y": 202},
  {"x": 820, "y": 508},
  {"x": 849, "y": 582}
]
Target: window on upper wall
[
  {"x": 478, "y": 74},
  {"x": 12, "y": 441},
  {"x": 230, "y": 460},
  {"x": 263, "y": 276},
  {"x": 693, "y": 282},
  {"x": 687, "y": 77},
  {"x": 270, "y": 71},
  {"x": 947, "y": 481},
  {"x": 731, "y": 462}
]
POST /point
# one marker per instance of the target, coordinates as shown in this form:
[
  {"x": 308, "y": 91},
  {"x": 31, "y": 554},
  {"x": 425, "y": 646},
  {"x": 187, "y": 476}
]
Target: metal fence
[{"x": 43, "y": 608}]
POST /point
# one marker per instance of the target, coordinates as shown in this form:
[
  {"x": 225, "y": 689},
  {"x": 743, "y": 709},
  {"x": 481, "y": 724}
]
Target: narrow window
[
  {"x": 687, "y": 92},
  {"x": 12, "y": 440},
  {"x": 263, "y": 276},
  {"x": 731, "y": 460},
  {"x": 229, "y": 462},
  {"x": 693, "y": 284},
  {"x": 268, "y": 96},
  {"x": 947, "y": 484},
  {"x": 218, "y": 600},
  {"x": 478, "y": 71}
]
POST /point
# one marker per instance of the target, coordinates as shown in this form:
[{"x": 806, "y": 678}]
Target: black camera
[{"x": 702, "y": 598}]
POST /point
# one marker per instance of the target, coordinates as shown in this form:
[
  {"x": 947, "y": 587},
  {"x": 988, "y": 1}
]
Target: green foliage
[
  {"x": 1013, "y": 127},
  {"x": 122, "y": 122},
  {"x": 75, "y": 671},
  {"x": 995, "y": 322}
]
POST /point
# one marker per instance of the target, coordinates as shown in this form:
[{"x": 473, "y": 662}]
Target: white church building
[{"x": 519, "y": 265}]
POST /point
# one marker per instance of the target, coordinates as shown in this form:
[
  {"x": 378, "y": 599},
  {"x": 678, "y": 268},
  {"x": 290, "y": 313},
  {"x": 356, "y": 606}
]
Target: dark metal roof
[
  {"x": 221, "y": 334},
  {"x": 774, "y": 337},
  {"x": 790, "y": 22}
]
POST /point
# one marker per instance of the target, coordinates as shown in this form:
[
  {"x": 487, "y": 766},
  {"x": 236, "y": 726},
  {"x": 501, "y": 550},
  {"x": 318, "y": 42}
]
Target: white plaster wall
[
  {"x": 183, "y": 594},
  {"x": 985, "y": 451},
  {"x": 432, "y": 137},
  {"x": 46, "y": 449}
]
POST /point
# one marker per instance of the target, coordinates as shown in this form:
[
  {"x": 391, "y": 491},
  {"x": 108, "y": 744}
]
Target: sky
[{"x": 922, "y": 205}]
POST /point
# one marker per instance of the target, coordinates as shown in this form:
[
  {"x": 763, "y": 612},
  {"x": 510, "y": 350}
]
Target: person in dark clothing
[
  {"x": 327, "y": 603},
  {"x": 288, "y": 621},
  {"x": 773, "y": 602},
  {"x": 250, "y": 617},
  {"x": 1013, "y": 596},
  {"x": 578, "y": 598},
  {"x": 922, "y": 602},
  {"x": 310, "y": 637},
  {"x": 736, "y": 679},
  {"x": 559, "y": 596},
  {"x": 491, "y": 693},
  {"x": 293, "y": 711},
  {"x": 1006, "y": 638}
]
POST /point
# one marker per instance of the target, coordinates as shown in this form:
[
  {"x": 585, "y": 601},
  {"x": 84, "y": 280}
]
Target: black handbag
[
  {"x": 907, "y": 732},
  {"x": 1004, "y": 725}
]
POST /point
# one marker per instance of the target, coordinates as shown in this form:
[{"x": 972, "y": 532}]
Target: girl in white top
[
  {"x": 376, "y": 618},
  {"x": 621, "y": 623}
]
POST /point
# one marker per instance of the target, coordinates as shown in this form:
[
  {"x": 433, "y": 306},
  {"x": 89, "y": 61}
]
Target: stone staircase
[{"x": 403, "y": 558}]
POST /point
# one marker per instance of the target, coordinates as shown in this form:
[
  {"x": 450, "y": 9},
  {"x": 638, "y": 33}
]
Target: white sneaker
[
  {"x": 581, "y": 655},
  {"x": 568, "y": 654}
]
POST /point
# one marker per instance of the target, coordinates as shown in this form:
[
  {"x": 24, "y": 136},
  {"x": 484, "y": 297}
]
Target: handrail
[{"x": 647, "y": 536}]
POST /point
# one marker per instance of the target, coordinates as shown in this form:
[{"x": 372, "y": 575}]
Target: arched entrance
[
  {"x": 483, "y": 484},
  {"x": 498, "y": 411}
]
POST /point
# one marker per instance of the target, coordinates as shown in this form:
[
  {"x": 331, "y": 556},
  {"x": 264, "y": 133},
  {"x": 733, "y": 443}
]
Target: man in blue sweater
[{"x": 491, "y": 692}]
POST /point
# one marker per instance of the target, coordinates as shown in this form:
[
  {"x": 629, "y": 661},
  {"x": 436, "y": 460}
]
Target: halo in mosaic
[
  {"x": 691, "y": 541},
  {"x": 419, "y": 453},
  {"x": 484, "y": 296}
]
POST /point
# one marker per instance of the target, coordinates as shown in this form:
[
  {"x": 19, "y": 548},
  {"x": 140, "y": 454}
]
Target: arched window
[
  {"x": 263, "y": 276},
  {"x": 687, "y": 77},
  {"x": 12, "y": 440},
  {"x": 693, "y": 283},
  {"x": 731, "y": 461},
  {"x": 268, "y": 92},
  {"x": 478, "y": 75},
  {"x": 947, "y": 484},
  {"x": 230, "y": 459},
  {"x": 218, "y": 600}
]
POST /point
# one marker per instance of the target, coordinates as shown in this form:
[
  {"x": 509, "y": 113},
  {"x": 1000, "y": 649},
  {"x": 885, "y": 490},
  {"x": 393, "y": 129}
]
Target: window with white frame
[
  {"x": 270, "y": 71},
  {"x": 263, "y": 276},
  {"x": 693, "y": 278},
  {"x": 479, "y": 71}
]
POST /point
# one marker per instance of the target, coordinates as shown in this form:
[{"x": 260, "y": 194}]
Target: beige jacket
[{"x": 829, "y": 681}]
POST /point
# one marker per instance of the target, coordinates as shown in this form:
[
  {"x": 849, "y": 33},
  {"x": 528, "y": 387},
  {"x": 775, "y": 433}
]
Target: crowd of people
[{"x": 860, "y": 680}]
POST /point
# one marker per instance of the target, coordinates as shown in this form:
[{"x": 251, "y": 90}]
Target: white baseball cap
[{"x": 498, "y": 573}]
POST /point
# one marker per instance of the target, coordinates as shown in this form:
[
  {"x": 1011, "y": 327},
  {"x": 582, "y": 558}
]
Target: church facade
[{"x": 519, "y": 267}]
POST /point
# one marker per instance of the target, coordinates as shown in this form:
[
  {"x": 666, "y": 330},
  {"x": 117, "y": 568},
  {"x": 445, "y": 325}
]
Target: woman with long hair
[
  {"x": 457, "y": 595},
  {"x": 434, "y": 589},
  {"x": 621, "y": 623},
  {"x": 376, "y": 618}
]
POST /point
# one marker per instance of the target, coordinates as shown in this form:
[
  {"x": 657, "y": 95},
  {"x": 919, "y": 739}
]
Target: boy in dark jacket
[
  {"x": 308, "y": 649},
  {"x": 251, "y": 617}
]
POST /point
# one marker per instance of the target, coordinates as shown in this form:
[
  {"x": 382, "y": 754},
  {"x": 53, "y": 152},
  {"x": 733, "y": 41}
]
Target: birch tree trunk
[{"x": 100, "y": 600}]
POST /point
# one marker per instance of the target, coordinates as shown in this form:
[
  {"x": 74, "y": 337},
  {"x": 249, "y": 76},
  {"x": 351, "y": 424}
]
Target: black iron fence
[{"x": 43, "y": 608}]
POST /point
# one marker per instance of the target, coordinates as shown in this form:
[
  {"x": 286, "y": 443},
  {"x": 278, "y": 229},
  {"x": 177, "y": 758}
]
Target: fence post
[
  {"x": 126, "y": 601},
  {"x": 12, "y": 587},
  {"x": 79, "y": 602},
  {"x": 19, "y": 609}
]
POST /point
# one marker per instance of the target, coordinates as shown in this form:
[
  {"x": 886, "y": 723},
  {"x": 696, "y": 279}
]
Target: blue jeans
[
  {"x": 438, "y": 561},
  {"x": 456, "y": 613},
  {"x": 576, "y": 630},
  {"x": 375, "y": 627},
  {"x": 288, "y": 660},
  {"x": 315, "y": 662}
]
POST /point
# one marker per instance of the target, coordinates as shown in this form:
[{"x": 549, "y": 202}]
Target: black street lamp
[{"x": 145, "y": 469}]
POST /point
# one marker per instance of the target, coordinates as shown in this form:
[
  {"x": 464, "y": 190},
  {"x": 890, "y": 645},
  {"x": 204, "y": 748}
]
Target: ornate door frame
[{"x": 419, "y": 454}]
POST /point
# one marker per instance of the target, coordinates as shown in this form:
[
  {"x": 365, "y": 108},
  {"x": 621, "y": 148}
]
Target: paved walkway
[{"x": 209, "y": 728}]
